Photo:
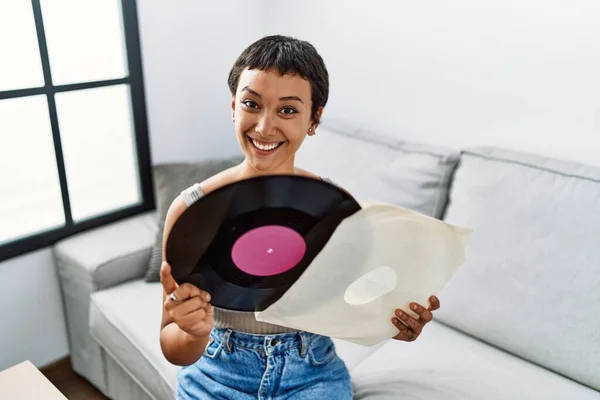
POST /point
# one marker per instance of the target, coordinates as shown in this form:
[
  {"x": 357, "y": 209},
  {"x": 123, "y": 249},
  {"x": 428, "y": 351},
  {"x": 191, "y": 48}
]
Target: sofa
[{"x": 519, "y": 320}]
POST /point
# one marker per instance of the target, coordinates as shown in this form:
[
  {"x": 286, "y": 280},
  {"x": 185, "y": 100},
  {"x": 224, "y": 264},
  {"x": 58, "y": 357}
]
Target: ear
[
  {"x": 233, "y": 108},
  {"x": 312, "y": 130}
]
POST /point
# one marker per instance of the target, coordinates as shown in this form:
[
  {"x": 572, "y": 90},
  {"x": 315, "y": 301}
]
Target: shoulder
[
  {"x": 193, "y": 193},
  {"x": 220, "y": 179},
  {"x": 320, "y": 177},
  {"x": 308, "y": 174}
]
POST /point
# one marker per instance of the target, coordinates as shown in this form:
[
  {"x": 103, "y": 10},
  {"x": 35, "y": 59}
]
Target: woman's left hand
[{"x": 410, "y": 328}]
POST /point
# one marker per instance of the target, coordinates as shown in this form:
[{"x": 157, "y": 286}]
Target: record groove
[{"x": 199, "y": 247}]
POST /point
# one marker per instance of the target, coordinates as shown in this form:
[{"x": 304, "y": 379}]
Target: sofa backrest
[
  {"x": 374, "y": 166},
  {"x": 531, "y": 282}
]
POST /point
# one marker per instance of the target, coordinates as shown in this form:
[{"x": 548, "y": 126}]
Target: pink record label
[{"x": 268, "y": 250}]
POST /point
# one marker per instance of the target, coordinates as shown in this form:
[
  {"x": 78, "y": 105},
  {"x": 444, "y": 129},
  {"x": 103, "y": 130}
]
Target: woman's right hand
[{"x": 187, "y": 305}]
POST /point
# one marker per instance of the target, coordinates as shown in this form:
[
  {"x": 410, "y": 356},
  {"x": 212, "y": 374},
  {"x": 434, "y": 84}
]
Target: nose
[{"x": 265, "y": 125}]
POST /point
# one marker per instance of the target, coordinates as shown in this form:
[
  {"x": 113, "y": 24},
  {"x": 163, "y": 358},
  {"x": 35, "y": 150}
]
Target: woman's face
[{"x": 272, "y": 115}]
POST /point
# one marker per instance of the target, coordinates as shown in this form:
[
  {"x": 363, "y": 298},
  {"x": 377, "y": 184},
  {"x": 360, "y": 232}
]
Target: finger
[
  {"x": 401, "y": 326},
  {"x": 434, "y": 303},
  {"x": 171, "y": 303},
  {"x": 411, "y": 322},
  {"x": 424, "y": 314},
  {"x": 187, "y": 290},
  {"x": 184, "y": 293},
  {"x": 167, "y": 280},
  {"x": 404, "y": 333},
  {"x": 192, "y": 318},
  {"x": 188, "y": 306}
]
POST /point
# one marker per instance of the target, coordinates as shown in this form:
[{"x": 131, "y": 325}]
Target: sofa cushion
[
  {"x": 530, "y": 282},
  {"x": 169, "y": 180},
  {"x": 125, "y": 321},
  {"x": 110, "y": 254},
  {"x": 94, "y": 260},
  {"x": 443, "y": 364},
  {"x": 374, "y": 166}
]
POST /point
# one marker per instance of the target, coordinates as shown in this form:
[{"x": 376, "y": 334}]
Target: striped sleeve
[{"x": 192, "y": 194}]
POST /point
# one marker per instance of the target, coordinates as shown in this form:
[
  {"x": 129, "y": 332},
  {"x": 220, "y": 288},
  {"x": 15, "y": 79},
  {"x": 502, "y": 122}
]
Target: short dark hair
[{"x": 289, "y": 56}]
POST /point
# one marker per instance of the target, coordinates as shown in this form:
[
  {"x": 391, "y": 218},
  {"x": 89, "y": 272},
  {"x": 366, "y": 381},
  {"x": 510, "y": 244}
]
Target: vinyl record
[{"x": 246, "y": 243}]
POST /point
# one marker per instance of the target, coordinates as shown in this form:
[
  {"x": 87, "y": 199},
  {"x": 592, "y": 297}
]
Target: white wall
[
  {"x": 188, "y": 48},
  {"x": 32, "y": 324},
  {"x": 521, "y": 74}
]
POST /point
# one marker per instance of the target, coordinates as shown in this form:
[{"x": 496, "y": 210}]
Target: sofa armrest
[
  {"x": 95, "y": 260},
  {"x": 111, "y": 254}
]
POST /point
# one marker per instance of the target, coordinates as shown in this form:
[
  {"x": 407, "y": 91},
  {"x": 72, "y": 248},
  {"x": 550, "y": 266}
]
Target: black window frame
[{"x": 134, "y": 79}]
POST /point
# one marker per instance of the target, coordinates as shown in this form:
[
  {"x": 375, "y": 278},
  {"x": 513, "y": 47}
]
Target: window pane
[
  {"x": 20, "y": 66},
  {"x": 97, "y": 135},
  {"x": 31, "y": 200},
  {"x": 85, "y": 40}
]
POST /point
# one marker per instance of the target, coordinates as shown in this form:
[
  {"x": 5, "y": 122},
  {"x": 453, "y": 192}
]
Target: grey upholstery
[
  {"x": 127, "y": 244},
  {"x": 92, "y": 261},
  {"x": 444, "y": 364},
  {"x": 529, "y": 286},
  {"x": 125, "y": 320},
  {"x": 380, "y": 167},
  {"x": 169, "y": 180},
  {"x": 530, "y": 283}
]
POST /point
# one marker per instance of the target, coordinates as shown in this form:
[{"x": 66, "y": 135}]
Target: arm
[
  {"x": 194, "y": 314},
  {"x": 179, "y": 347}
]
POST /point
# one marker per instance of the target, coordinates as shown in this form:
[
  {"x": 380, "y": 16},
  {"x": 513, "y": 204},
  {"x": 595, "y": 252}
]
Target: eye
[
  {"x": 288, "y": 110},
  {"x": 250, "y": 104}
]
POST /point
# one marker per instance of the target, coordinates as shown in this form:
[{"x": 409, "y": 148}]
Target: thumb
[{"x": 167, "y": 279}]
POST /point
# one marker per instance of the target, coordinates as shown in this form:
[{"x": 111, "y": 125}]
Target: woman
[{"x": 279, "y": 87}]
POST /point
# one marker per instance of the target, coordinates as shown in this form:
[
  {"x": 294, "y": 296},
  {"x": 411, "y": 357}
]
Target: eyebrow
[{"x": 286, "y": 98}]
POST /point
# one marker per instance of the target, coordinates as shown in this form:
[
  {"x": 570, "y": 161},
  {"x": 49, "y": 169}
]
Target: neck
[{"x": 246, "y": 170}]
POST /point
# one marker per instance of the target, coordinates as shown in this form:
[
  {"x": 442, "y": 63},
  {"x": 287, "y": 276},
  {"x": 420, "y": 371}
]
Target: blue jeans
[{"x": 240, "y": 366}]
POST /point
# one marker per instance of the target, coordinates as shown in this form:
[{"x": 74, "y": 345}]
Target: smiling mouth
[{"x": 264, "y": 146}]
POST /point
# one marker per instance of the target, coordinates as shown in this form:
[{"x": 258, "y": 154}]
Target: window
[{"x": 74, "y": 150}]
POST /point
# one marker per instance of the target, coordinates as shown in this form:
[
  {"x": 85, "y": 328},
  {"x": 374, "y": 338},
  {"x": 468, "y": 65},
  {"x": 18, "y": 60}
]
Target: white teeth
[{"x": 264, "y": 147}]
